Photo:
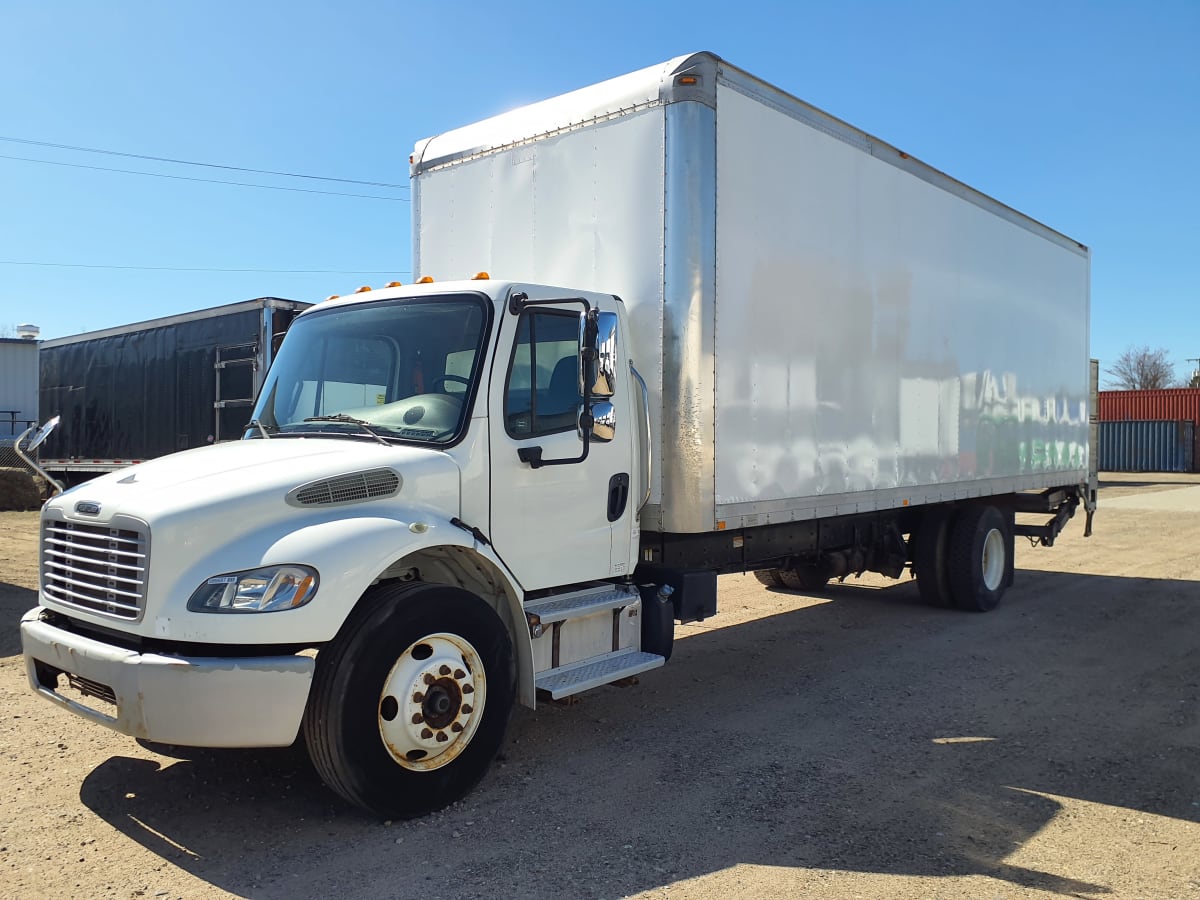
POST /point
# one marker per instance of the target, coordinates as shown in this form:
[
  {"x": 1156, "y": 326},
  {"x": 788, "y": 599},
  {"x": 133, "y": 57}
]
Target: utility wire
[
  {"x": 186, "y": 162},
  {"x": 268, "y": 187},
  {"x": 57, "y": 265}
]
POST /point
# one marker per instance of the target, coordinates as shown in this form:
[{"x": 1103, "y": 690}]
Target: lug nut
[
  {"x": 418, "y": 718},
  {"x": 459, "y": 674},
  {"x": 466, "y": 708},
  {"x": 441, "y": 736},
  {"x": 444, "y": 670},
  {"x": 426, "y": 733}
]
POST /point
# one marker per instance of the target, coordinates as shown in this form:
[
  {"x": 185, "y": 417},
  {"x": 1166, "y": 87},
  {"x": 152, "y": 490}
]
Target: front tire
[{"x": 411, "y": 700}]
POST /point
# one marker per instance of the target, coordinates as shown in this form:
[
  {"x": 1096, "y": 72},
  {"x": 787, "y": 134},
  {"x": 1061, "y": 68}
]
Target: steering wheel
[{"x": 438, "y": 382}]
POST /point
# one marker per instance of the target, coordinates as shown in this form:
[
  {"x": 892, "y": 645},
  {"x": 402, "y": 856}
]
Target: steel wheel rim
[
  {"x": 993, "y": 560},
  {"x": 432, "y": 702}
]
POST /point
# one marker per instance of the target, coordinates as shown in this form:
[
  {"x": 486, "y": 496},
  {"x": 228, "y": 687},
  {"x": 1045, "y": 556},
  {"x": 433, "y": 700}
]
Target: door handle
[{"x": 618, "y": 496}]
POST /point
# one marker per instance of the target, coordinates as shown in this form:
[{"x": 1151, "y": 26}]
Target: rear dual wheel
[
  {"x": 979, "y": 561},
  {"x": 962, "y": 557},
  {"x": 930, "y": 556},
  {"x": 411, "y": 700},
  {"x": 805, "y": 577}
]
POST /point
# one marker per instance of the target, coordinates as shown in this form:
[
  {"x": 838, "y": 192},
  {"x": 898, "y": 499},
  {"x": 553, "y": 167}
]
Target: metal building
[{"x": 18, "y": 384}]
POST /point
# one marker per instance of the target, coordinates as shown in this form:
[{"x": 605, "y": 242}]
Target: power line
[
  {"x": 58, "y": 265},
  {"x": 267, "y": 187},
  {"x": 186, "y": 162}
]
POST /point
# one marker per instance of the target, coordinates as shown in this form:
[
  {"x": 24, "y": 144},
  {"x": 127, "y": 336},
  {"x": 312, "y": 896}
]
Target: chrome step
[
  {"x": 589, "y": 673},
  {"x": 587, "y": 602}
]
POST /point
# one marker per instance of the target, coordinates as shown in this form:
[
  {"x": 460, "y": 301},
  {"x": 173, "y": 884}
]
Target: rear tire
[
  {"x": 806, "y": 577},
  {"x": 769, "y": 578},
  {"x": 980, "y": 546},
  {"x": 411, "y": 699},
  {"x": 931, "y": 556}
]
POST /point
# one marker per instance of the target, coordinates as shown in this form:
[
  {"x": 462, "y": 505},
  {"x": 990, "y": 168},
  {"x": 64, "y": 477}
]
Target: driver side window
[{"x": 543, "y": 395}]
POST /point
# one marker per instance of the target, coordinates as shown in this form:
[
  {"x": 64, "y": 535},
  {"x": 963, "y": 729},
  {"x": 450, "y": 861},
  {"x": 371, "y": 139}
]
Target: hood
[{"x": 243, "y": 475}]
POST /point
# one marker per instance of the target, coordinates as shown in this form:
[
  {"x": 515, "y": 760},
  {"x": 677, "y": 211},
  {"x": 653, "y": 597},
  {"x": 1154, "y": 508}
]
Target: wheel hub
[
  {"x": 993, "y": 562},
  {"x": 432, "y": 701}
]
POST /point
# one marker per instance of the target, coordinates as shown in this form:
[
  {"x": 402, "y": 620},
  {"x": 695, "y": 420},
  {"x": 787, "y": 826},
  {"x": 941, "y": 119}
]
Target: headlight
[{"x": 260, "y": 590}]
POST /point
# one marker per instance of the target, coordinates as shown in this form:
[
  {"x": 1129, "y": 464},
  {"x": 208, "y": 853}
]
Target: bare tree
[{"x": 1141, "y": 369}]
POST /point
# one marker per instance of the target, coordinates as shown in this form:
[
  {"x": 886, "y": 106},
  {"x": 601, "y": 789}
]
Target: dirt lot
[{"x": 856, "y": 744}]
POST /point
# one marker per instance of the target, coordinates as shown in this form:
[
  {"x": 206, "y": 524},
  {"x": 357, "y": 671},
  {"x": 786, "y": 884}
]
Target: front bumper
[{"x": 190, "y": 701}]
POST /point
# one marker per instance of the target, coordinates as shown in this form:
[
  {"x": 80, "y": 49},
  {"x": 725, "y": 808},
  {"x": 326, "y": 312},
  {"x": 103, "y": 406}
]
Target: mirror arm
[{"x": 58, "y": 485}]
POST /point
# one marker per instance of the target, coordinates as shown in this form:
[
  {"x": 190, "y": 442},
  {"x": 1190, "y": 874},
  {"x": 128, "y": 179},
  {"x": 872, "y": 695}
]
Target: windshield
[{"x": 403, "y": 370}]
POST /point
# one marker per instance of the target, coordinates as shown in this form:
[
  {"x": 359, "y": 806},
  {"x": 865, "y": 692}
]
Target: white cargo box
[{"x": 827, "y": 325}]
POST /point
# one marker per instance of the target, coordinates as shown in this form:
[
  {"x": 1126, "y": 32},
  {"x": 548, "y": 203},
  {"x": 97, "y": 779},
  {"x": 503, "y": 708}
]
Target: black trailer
[{"x": 139, "y": 391}]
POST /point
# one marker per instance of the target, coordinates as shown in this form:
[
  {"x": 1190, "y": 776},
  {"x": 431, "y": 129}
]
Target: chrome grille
[
  {"x": 347, "y": 488},
  {"x": 99, "y": 568}
]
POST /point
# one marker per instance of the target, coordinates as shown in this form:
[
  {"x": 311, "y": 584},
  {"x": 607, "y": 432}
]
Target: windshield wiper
[
  {"x": 350, "y": 420},
  {"x": 254, "y": 423}
]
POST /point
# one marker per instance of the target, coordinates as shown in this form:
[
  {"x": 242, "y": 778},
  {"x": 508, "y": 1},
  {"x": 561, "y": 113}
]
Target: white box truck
[{"x": 777, "y": 345}]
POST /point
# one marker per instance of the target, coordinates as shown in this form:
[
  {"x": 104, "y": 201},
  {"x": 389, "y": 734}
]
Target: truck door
[{"x": 563, "y": 523}]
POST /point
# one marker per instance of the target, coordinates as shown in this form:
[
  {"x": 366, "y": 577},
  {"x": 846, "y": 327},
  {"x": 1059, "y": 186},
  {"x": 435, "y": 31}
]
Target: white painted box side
[
  {"x": 876, "y": 333},
  {"x": 582, "y": 208}
]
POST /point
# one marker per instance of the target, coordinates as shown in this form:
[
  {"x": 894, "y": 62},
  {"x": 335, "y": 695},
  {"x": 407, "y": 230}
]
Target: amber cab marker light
[
  {"x": 425, "y": 279},
  {"x": 333, "y": 297},
  {"x": 395, "y": 284},
  {"x": 481, "y": 276},
  {"x": 363, "y": 289},
  {"x": 687, "y": 79}
]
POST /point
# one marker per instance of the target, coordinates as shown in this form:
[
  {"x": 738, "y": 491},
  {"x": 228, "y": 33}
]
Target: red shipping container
[{"x": 1172, "y": 404}]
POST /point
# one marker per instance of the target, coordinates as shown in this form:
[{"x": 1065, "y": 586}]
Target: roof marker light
[
  {"x": 333, "y": 297},
  {"x": 481, "y": 276},
  {"x": 395, "y": 284},
  {"x": 425, "y": 279},
  {"x": 363, "y": 289}
]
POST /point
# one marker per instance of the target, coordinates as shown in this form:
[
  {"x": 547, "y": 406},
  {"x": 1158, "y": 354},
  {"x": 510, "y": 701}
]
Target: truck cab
[{"x": 433, "y": 512}]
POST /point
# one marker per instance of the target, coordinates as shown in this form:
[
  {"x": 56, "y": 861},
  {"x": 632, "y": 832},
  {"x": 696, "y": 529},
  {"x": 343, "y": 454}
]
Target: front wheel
[{"x": 411, "y": 700}]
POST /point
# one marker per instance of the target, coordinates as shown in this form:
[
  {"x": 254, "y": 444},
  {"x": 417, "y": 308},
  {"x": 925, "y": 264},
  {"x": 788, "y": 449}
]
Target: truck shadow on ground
[{"x": 862, "y": 734}]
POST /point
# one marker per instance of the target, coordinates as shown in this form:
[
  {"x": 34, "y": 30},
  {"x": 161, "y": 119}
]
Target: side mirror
[
  {"x": 39, "y": 436},
  {"x": 599, "y": 368},
  {"x": 604, "y": 422},
  {"x": 35, "y": 440}
]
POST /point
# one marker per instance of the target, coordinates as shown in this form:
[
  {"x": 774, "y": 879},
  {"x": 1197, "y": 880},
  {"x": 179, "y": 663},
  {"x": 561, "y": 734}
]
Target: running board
[
  {"x": 589, "y": 673},
  {"x": 579, "y": 604}
]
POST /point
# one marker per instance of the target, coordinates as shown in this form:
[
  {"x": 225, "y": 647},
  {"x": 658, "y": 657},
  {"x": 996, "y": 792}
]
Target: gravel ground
[{"x": 855, "y": 744}]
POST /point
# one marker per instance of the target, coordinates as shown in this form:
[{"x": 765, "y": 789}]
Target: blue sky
[{"x": 1085, "y": 116}]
